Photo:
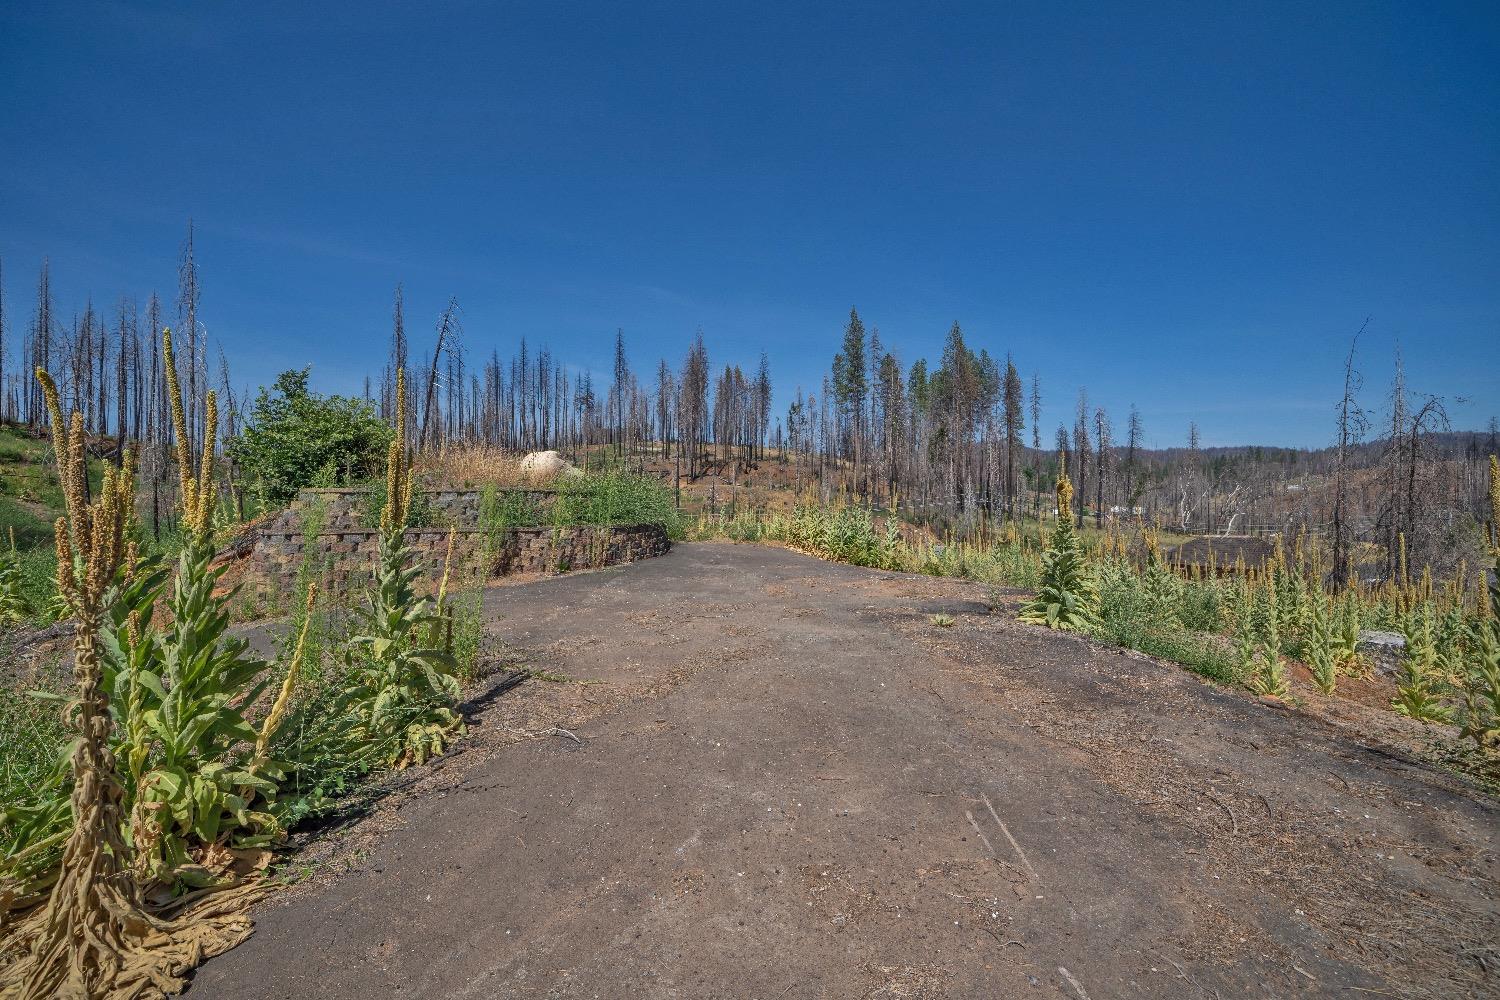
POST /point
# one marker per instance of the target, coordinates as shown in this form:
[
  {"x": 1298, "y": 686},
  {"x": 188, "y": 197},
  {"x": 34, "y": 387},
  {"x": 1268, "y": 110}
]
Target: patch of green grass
[
  {"x": 500, "y": 509},
  {"x": 33, "y": 737},
  {"x": 615, "y": 499},
  {"x": 1166, "y": 617},
  {"x": 421, "y": 515}
]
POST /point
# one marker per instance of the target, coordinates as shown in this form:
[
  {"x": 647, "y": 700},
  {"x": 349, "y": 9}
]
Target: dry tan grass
[{"x": 471, "y": 465}]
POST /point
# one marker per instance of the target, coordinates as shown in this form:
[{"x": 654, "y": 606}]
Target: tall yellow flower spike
[
  {"x": 199, "y": 493},
  {"x": 1064, "y": 494},
  {"x": 398, "y": 477}
]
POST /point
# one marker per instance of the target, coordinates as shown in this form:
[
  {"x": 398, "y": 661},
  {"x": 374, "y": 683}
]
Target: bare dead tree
[
  {"x": 188, "y": 296},
  {"x": 1103, "y": 457},
  {"x": 447, "y": 330},
  {"x": 1352, "y": 424},
  {"x": 122, "y": 377}
]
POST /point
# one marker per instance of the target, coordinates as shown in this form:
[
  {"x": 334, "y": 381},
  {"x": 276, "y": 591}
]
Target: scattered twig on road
[
  {"x": 1233, "y": 822},
  {"x": 987, "y": 845},
  {"x": 1182, "y": 974},
  {"x": 555, "y": 731},
  {"x": 1002, "y": 941},
  {"x": 1025, "y": 862},
  {"x": 1083, "y": 994}
]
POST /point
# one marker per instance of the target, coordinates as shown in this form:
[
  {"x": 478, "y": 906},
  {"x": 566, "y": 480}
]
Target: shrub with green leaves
[
  {"x": 1135, "y": 614},
  {"x": 294, "y": 438},
  {"x": 614, "y": 498},
  {"x": 501, "y": 509}
]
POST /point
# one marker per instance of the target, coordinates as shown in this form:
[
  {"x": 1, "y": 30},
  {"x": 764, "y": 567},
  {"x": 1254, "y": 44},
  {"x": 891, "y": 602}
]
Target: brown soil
[{"x": 772, "y": 777}]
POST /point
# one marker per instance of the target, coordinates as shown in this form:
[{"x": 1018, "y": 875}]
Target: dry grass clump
[{"x": 467, "y": 466}]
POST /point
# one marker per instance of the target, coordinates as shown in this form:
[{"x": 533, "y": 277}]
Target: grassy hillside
[{"x": 30, "y": 503}]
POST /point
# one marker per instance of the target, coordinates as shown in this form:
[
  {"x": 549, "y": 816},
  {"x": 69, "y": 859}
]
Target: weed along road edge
[{"x": 757, "y": 774}]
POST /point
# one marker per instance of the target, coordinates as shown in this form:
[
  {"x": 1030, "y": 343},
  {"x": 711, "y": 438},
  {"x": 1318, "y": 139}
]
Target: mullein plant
[
  {"x": 1245, "y": 626},
  {"x": 1418, "y": 694},
  {"x": 1479, "y": 705},
  {"x": 1068, "y": 597},
  {"x": 1161, "y": 585},
  {"x": 1319, "y": 646},
  {"x": 199, "y": 806},
  {"x": 1346, "y": 634},
  {"x": 96, "y": 935},
  {"x": 1269, "y": 677},
  {"x": 1479, "y": 687},
  {"x": 407, "y": 693}
]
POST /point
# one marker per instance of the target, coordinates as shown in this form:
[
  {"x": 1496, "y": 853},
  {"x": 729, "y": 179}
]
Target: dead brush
[{"x": 468, "y": 465}]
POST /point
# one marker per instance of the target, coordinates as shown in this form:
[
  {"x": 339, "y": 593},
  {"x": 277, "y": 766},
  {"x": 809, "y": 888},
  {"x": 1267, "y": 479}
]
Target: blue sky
[{"x": 1187, "y": 208}]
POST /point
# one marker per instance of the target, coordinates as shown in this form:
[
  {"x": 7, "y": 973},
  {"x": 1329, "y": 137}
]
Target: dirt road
[{"x": 779, "y": 780}]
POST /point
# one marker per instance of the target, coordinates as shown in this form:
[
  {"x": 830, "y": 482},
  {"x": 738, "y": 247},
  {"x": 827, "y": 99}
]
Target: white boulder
[{"x": 546, "y": 467}]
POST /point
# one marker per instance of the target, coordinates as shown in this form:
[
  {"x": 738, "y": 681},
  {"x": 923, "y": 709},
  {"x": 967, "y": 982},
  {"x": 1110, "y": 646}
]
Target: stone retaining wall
[{"x": 323, "y": 535}]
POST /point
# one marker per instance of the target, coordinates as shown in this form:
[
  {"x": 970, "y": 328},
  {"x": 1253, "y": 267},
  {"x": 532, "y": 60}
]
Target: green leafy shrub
[
  {"x": 1133, "y": 614},
  {"x": 294, "y": 438}
]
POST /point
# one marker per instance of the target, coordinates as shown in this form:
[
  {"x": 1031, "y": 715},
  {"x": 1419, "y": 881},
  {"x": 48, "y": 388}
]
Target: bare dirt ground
[{"x": 778, "y": 780}]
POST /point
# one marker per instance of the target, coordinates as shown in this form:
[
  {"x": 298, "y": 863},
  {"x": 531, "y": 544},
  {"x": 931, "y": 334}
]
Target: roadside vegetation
[
  {"x": 135, "y": 833},
  {"x": 1238, "y": 625},
  {"x": 214, "y": 753}
]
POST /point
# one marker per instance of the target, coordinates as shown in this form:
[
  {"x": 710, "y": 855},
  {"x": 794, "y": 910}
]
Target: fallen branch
[
  {"x": 1003, "y": 942},
  {"x": 1233, "y": 822}
]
